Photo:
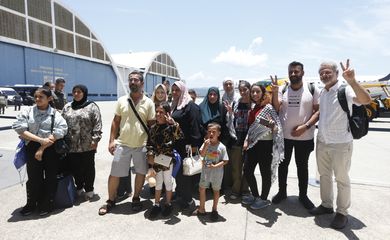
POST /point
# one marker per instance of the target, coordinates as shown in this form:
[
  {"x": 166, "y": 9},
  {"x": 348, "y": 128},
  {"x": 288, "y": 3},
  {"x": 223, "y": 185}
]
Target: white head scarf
[
  {"x": 184, "y": 98},
  {"x": 228, "y": 96}
]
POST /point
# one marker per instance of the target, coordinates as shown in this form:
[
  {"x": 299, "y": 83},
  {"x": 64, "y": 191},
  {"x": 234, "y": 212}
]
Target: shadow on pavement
[
  {"x": 16, "y": 217},
  {"x": 324, "y": 221},
  {"x": 268, "y": 213},
  {"x": 293, "y": 207}
]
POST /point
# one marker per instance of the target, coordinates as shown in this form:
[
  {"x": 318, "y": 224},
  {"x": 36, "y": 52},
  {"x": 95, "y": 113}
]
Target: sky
[{"x": 210, "y": 41}]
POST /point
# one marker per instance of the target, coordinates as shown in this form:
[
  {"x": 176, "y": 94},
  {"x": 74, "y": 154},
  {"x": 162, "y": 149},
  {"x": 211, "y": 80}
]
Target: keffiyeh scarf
[{"x": 258, "y": 131}]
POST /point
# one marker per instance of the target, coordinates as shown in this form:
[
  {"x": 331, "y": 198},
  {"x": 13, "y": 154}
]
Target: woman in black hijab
[{"x": 84, "y": 132}]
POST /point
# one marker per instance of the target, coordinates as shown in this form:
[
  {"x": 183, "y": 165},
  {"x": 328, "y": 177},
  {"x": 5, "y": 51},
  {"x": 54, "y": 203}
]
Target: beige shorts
[{"x": 122, "y": 160}]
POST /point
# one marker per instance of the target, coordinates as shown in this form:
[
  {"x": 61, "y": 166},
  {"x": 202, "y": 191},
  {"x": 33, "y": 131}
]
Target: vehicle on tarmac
[
  {"x": 10, "y": 93},
  {"x": 26, "y": 91},
  {"x": 380, "y": 103}
]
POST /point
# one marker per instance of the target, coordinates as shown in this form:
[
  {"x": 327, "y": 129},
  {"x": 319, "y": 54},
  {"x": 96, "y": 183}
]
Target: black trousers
[
  {"x": 41, "y": 185},
  {"x": 184, "y": 186},
  {"x": 83, "y": 169},
  {"x": 260, "y": 154},
  {"x": 302, "y": 150}
]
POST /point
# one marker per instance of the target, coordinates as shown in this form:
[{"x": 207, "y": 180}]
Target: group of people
[
  {"x": 232, "y": 133},
  {"x": 40, "y": 126}
]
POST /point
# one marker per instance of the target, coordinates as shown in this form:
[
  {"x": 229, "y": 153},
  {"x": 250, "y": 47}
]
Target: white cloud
[
  {"x": 199, "y": 79},
  {"x": 243, "y": 57}
]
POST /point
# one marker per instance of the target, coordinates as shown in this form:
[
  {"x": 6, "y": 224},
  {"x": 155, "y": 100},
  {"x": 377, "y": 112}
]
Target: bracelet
[{"x": 308, "y": 126}]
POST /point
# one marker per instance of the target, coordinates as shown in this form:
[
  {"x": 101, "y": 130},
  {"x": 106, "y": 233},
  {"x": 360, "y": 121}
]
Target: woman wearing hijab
[
  {"x": 212, "y": 110},
  {"x": 187, "y": 114},
  {"x": 229, "y": 96},
  {"x": 159, "y": 94},
  {"x": 85, "y": 131}
]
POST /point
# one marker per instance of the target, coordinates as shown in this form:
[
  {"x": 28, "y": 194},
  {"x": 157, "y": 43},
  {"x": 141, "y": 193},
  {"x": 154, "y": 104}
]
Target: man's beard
[
  {"x": 295, "y": 80},
  {"x": 134, "y": 88}
]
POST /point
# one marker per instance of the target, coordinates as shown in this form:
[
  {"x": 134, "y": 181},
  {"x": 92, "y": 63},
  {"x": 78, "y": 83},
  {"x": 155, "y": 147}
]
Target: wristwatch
[{"x": 308, "y": 126}]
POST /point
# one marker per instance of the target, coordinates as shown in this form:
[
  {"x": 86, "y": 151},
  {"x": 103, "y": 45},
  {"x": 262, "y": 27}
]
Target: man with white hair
[{"x": 335, "y": 141}]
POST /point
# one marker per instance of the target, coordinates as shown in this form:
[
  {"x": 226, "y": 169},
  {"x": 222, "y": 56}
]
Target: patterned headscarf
[
  {"x": 184, "y": 98},
  {"x": 258, "y": 131}
]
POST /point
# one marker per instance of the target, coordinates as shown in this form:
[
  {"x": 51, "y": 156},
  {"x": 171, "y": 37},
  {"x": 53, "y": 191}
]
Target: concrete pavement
[{"x": 370, "y": 174}]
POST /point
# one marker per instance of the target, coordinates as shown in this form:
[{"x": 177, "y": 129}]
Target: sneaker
[
  {"x": 247, "y": 199},
  {"x": 321, "y": 210},
  {"x": 306, "y": 202},
  {"x": 27, "y": 210},
  {"x": 214, "y": 216},
  {"x": 155, "y": 211},
  {"x": 167, "y": 210},
  {"x": 233, "y": 196},
  {"x": 339, "y": 221},
  {"x": 45, "y": 211},
  {"x": 79, "y": 192},
  {"x": 280, "y": 196},
  {"x": 259, "y": 203},
  {"x": 187, "y": 205},
  {"x": 89, "y": 195},
  {"x": 136, "y": 204}
]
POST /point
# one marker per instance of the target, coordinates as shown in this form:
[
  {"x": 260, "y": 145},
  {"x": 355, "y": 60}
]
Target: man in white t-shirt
[
  {"x": 335, "y": 141},
  {"x": 298, "y": 111}
]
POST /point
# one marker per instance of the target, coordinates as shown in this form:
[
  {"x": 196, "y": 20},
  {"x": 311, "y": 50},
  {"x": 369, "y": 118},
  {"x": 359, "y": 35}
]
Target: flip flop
[
  {"x": 197, "y": 212},
  {"x": 103, "y": 210}
]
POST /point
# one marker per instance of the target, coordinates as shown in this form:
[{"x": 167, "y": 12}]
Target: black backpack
[{"x": 358, "y": 122}]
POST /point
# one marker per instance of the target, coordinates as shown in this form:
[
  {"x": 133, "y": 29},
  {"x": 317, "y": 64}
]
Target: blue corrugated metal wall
[{"x": 22, "y": 65}]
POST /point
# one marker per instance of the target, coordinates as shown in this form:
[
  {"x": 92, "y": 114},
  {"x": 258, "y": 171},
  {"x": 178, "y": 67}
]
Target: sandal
[
  {"x": 106, "y": 207},
  {"x": 197, "y": 212}
]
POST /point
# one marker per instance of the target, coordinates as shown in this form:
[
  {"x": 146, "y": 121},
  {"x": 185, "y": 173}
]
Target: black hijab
[{"x": 84, "y": 101}]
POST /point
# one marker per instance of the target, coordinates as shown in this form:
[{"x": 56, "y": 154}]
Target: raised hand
[
  {"x": 348, "y": 73},
  {"x": 228, "y": 106},
  {"x": 169, "y": 119},
  {"x": 274, "y": 83}
]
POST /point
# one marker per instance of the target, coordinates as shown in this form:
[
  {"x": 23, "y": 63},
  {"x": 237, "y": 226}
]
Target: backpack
[
  {"x": 310, "y": 86},
  {"x": 358, "y": 122}
]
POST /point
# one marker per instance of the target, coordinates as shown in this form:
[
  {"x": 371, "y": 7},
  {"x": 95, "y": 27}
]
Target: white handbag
[
  {"x": 163, "y": 160},
  {"x": 192, "y": 165}
]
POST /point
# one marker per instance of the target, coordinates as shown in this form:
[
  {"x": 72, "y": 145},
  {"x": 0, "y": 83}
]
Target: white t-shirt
[{"x": 296, "y": 109}]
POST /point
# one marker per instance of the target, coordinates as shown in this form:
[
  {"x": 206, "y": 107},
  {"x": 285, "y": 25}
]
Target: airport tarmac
[{"x": 370, "y": 176}]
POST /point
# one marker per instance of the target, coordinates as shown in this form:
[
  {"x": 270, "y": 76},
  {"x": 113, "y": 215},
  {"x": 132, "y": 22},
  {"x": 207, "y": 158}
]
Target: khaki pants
[{"x": 335, "y": 158}]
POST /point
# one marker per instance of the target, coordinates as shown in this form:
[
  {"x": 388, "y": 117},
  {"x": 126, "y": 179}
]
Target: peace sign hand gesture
[
  {"x": 348, "y": 73},
  {"x": 169, "y": 119},
  {"x": 228, "y": 107},
  {"x": 274, "y": 82}
]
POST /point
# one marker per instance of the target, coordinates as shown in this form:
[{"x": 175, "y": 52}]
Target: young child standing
[
  {"x": 214, "y": 158},
  {"x": 163, "y": 136}
]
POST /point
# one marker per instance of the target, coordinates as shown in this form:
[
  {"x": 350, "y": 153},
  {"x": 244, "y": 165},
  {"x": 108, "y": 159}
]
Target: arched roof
[
  {"x": 50, "y": 26},
  {"x": 159, "y": 63}
]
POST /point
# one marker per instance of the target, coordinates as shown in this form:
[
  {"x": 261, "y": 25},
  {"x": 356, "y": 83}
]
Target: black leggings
[
  {"x": 260, "y": 154},
  {"x": 83, "y": 169},
  {"x": 41, "y": 185}
]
